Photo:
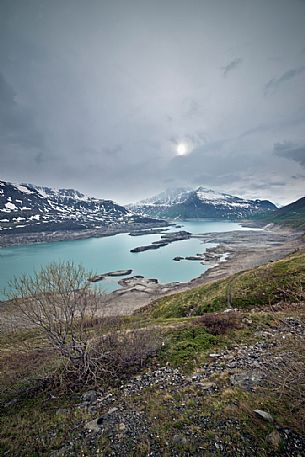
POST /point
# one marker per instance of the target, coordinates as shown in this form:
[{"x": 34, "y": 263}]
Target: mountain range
[
  {"x": 183, "y": 203},
  {"x": 29, "y": 208}
]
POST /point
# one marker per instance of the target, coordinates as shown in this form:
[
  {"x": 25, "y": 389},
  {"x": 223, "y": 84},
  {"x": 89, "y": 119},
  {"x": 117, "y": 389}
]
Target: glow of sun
[{"x": 181, "y": 149}]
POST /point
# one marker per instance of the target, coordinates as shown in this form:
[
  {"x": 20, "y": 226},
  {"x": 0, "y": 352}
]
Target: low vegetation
[
  {"x": 174, "y": 379},
  {"x": 283, "y": 280},
  {"x": 292, "y": 215}
]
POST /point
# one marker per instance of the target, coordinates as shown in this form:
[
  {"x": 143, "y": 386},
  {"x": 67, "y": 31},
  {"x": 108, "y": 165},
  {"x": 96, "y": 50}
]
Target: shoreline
[
  {"x": 231, "y": 252},
  {"x": 243, "y": 250},
  {"x": 26, "y": 239},
  {"x": 135, "y": 229}
]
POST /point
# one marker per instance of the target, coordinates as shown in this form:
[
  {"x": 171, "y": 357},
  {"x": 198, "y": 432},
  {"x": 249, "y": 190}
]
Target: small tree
[{"x": 59, "y": 301}]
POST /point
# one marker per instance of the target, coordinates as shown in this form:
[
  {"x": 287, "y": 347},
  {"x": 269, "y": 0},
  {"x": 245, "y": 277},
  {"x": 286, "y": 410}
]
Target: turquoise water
[{"x": 100, "y": 255}]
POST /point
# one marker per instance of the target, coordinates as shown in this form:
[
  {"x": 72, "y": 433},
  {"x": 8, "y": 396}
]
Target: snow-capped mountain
[
  {"x": 199, "y": 203},
  {"x": 29, "y": 208}
]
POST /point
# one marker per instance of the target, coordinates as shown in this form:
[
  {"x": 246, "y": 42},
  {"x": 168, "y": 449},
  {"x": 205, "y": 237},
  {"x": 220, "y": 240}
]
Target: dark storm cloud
[
  {"x": 231, "y": 66},
  {"x": 17, "y": 123},
  {"x": 98, "y": 95},
  {"x": 291, "y": 151},
  {"x": 273, "y": 85},
  {"x": 7, "y": 94}
]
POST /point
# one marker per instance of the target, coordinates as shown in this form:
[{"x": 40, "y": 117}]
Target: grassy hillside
[
  {"x": 196, "y": 393},
  {"x": 265, "y": 285},
  {"x": 292, "y": 215}
]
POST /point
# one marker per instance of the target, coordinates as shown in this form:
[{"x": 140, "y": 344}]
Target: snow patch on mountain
[
  {"x": 199, "y": 203},
  {"x": 43, "y": 208}
]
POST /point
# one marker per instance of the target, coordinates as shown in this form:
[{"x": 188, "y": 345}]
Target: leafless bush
[
  {"x": 58, "y": 301},
  {"x": 219, "y": 324},
  {"x": 113, "y": 356}
]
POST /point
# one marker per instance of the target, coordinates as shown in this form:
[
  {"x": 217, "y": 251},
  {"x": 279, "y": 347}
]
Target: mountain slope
[
  {"x": 282, "y": 280},
  {"x": 292, "y": 215},
  {"x": 201, "y": 202},
  {"x": 29, "y": 208}
]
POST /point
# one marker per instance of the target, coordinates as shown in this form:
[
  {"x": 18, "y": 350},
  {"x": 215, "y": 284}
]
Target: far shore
[{"x": 21, "y": 239}]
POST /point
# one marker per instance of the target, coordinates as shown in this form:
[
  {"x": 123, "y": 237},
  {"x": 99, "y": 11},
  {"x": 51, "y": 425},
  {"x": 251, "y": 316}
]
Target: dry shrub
[
  {"x": 131, "y": 349},
  {"x": 112, "y": 357},
  {"x": 59, "y": 303},
  {"x": 219, "y": 324}
]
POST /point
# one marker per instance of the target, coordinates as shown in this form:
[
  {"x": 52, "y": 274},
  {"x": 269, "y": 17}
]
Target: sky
[{"x": 122, "y": 99}]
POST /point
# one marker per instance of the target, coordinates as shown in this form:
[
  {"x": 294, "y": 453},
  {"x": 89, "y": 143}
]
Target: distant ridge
[
  {"x": 292, "y": 215},
  {"x": 183, "y": 203},
  {"x": 30, "y": 208}
]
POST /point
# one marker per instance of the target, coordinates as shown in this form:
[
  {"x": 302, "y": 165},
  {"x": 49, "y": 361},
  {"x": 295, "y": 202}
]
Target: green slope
[
  {"x": 292, "y": 215},
  {"x": 283, "y": 280}
]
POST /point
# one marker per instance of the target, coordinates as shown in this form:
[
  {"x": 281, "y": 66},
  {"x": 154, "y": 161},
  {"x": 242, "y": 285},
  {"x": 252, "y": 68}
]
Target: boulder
[
  {"x": 93, "y": 426},
  {"x": 109, "y": 274},
  {"x": 194, "y": 257},
  {"x": 90, "y": 396},
  {"x": 274, "y": 438},
  {"x": 264, "y": 415}
]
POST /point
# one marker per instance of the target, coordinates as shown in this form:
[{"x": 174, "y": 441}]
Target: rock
[
  {"x": 93, "y": 426},
  {"x": 264, "y": 415},
  {"x": 207, "y": 385},
  {"x": 246, "y": 379},
  {"x": 147, "y": 232},
  {"x": 119, "y": 273},
  {"x": 135, "y": 281},
  {"x": 165, "y": 240},
  {"x": 274, "y": 438},
  {"x": 148, "y": 247},
  {"x": 62, "y": 411},
  {"x": 176, "y": 236},
  {"x": 112, "y": 410},
  {"x": 110, "y": 274},
  {"x": 90, "y": 396},
  {"x": 178, "y": 258},
  {"x": 160, "y": 243},
  {"x": 194, "y": 257},
  {"x": 179, "y": 440},
  {"x": 122, "y": 427}
]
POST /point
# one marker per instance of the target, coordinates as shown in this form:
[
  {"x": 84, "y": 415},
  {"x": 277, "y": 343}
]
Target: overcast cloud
[{"x": 97, "y": 95}]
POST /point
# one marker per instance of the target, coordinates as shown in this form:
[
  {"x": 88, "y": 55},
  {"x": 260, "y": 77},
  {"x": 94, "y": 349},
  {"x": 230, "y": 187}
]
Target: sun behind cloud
[{"x": 181, "y": 149}]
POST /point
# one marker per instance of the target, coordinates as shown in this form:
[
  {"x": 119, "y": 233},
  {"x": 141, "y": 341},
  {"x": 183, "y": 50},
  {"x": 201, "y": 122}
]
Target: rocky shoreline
[
  {"x": 110, "y": 274},
  {"x": 231, "y": 253},
  {"x": 68, "y": 235},
  {"x": 165, "y": 240}
]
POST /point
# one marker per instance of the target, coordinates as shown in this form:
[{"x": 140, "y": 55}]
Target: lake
[{"x": 100, "y": 255}]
